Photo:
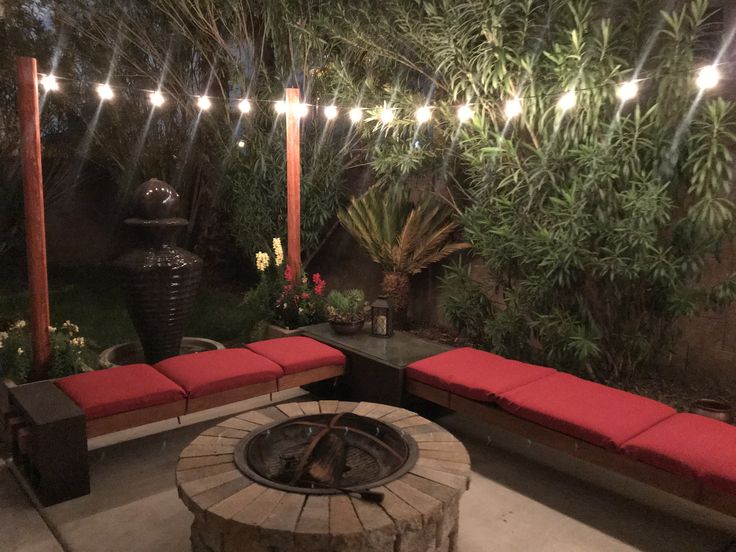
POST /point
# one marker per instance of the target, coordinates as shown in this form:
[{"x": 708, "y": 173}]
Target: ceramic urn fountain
[{"x": 160, "y": 280}]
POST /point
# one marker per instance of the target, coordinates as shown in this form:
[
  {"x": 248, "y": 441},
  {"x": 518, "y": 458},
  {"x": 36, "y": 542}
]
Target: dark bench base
[
  {"x": 688, "y": 489},
  {"x": 49, "y": 443}
]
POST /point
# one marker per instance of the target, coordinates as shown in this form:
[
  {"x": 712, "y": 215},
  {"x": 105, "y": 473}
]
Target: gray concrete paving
[
  {"x": 21, "y": 526},
  {"x": 514, "y": 503}
]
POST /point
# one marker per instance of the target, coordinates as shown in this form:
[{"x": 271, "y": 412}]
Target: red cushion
[
  {"x": 119, "y": 389},
  {"x": 298, "y": 353},
  {"x": 595, "y": 413},
  {"x": 212, "y": 371},
  {"x": 690, "y": 445},
  {"x": 474, "y": 374}
]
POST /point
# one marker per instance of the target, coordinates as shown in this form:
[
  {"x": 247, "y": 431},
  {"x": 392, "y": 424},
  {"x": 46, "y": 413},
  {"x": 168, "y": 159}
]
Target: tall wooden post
[
  {"x": 30, "y": 142},
  {"x": 293, "y": 172}
]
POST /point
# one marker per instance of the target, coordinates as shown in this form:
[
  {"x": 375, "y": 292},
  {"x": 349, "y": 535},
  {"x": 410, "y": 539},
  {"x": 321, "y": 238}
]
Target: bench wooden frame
[
  {"x": 143, "y": 416},
  {"x": 683, "y": 487}
]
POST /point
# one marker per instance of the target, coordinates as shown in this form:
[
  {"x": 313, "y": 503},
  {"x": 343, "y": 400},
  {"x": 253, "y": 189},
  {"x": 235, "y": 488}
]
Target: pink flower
[
  {"x": 319, "y": 284},
  {"x": 305, "y": 295}
]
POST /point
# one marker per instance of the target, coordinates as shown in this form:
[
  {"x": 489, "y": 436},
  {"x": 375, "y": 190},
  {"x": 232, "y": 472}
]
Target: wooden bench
[
  {"x": 125, "y": 397},
  {"x": 686, "y": 455}
]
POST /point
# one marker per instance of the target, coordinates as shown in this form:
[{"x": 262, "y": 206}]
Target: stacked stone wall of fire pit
[{"x": 233, "y": 513}]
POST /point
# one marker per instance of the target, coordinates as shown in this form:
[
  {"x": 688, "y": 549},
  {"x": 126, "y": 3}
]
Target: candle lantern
[{"x": 382, "y": 324}]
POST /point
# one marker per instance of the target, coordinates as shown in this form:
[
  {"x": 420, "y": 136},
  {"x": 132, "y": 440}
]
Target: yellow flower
[
  {"x": 262, "y": 261},
  {"x": 278, "y": 252}
]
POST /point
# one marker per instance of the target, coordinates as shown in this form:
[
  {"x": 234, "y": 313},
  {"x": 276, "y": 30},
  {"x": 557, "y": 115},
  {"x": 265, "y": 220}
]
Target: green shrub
[{"x": 70, "y": 353}]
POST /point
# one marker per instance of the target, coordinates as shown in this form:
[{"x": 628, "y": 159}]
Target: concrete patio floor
[{"x": 515, "y": 502}]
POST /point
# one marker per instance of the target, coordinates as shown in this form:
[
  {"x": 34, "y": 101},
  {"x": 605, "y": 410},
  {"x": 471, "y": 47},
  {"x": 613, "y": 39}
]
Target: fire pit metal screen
[{"x": 326, "y": 454}]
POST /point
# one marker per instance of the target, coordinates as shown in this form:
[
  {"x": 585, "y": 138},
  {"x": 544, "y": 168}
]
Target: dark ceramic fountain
[{"x": 160, "y": 280}]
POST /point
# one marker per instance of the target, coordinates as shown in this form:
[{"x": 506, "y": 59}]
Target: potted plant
[
  {"x": 402, "y": 236},
  {"x": 346, "y": 311},
  {"x": 280, "y": 301}
]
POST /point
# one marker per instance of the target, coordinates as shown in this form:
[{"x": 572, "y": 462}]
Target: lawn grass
[{"x": 92, "y": 299}]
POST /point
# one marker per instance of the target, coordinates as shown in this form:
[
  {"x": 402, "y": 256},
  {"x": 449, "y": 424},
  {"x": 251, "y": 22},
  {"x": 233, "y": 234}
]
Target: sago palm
[{"x": 402, "y": 236}]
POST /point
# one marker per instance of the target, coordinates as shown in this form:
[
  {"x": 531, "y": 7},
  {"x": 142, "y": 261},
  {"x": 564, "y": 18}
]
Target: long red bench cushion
[
  {"x": 119, "y": 389},
  {"x": 212, "y": 371},
  {"x": 692, "y": 446},
  {"x": 298, "y": 353},
  {"x": 592, "y": 412},
  {"x": 474, "y": 374}
]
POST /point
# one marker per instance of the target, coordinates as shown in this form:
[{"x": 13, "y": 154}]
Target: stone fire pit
[{"x": 255, "y": 482}]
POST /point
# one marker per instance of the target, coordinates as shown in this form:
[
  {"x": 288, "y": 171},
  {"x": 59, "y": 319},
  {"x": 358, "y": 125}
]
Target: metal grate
[{"x": 326, "y": 454}]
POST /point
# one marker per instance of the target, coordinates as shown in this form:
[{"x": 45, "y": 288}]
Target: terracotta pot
[
  {"x": 272, "y": 332},
  {"x": 347, "y": 328},
  {"x": 718, "y": 410}
]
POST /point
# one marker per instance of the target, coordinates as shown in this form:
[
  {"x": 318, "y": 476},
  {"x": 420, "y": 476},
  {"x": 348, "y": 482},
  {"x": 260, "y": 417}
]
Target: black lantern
[{"x": 382, "y": 323}]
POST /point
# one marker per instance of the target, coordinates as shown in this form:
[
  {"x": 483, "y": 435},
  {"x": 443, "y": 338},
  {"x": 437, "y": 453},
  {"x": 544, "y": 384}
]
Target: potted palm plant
[
  {"x": 402, "y": 236},
  {"x": 346, "y": 310}
]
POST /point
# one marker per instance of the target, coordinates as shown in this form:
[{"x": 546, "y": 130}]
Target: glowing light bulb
[
  {"x": 387, "y": 115},
  {"x": 512, "y": 108},
  {"x": 464, "y": 113},
  {"x": 204, "y": 103},
  {"x": 330, "y": 112},
  {"x": 105, "y": 92},
  {"x": 423, "y": 114},
  {"x": 157, "y": 99},
  {"x": 300, "y": 110},
  {"x": 280, "y": 107},
  {"x": 49, "y": 83},
  {"x": 356, "y": 114},
  {"x": 567, "y": 100},
  {"x": 627, "y": 91},
  {"x": 708, "y": 77},
  {"x": 244, "y": 106},
  {"x": 241, "y": 144}
]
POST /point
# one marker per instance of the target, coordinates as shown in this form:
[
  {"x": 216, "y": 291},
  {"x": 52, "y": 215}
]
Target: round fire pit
[
  {"x": 326, "y": 475},
  {"x": 326, "y": 454}
]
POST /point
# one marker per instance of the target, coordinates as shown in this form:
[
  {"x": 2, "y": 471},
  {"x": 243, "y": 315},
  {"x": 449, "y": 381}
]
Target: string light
[
  {"x": 49, "y": 83},
  {"x": 567, "y": 101},
  {"x": 387, "y": 115},
  {"x": 105, "y": 92},
  {"x": 356, "y": 114},
  {"x": 157, "y": 99},
  {"x": 423, "y": 114},
  {"x": 300, "y": 110},
  {"x": 512, "y": 108},
  {"x": 330, "y": 112},
  {"x": 244, "y": 106},
  {"x": 627, "y": 91},
  {"x": 708, "y": 77},
  {"x": 465, "y": 113},
  {"x": 241, "y": 144}
]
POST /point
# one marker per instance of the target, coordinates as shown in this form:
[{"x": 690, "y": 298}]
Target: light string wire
[{"x": 707, "y": 77}]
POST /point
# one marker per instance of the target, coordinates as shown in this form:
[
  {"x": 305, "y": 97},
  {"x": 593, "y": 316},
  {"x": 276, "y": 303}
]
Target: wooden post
[
  {"x": 293, "y": 170},
  {"x": 30, "y": 142}
]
